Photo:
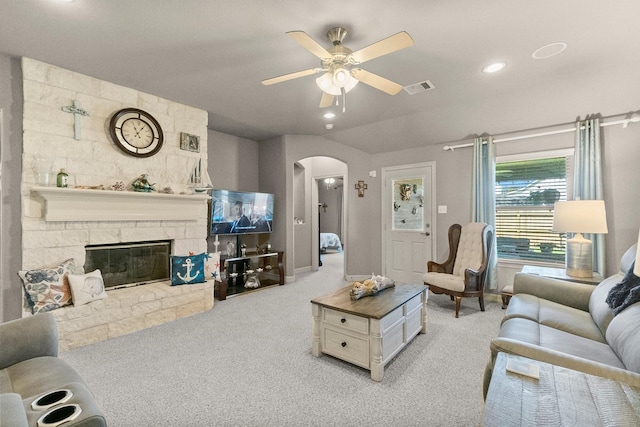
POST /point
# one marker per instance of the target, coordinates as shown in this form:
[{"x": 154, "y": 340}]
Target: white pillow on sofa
[{"x": 86, "y": 287}]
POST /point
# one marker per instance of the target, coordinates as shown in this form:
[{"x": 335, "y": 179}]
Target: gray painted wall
[
  {"x": 245, "y": 165},
  {"x": 11, "y": 157}
]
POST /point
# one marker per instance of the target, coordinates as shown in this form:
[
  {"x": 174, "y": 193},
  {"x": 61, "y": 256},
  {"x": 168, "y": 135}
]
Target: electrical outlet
[{"x": 442, "y": 209}]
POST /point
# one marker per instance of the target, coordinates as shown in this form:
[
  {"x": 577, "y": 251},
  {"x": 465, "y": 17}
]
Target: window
[{"x": 526, "y": 189}]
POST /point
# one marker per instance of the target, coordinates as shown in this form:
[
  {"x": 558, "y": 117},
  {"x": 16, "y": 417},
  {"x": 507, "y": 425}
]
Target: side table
[{"x": 560, "y": 396}]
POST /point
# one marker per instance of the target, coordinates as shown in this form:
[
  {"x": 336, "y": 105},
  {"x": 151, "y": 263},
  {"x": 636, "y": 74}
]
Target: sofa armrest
[
  {"x": 571, "y": 294},
  {"x": 532, "y": 351},
  {"x": 26, "y": 338}
]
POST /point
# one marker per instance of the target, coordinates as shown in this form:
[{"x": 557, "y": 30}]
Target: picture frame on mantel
[{"x": 189, "y": 142}]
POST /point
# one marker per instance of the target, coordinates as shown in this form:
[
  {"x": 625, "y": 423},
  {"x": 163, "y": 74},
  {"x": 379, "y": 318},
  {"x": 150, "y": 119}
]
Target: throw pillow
[
  {"x": 187, "y": 270},
  {"x": 625, "y": 293},
  {"x": 47, "y": 288},
  {"x": 87, "y": 287},
  {"x": 212, "y": 266}
]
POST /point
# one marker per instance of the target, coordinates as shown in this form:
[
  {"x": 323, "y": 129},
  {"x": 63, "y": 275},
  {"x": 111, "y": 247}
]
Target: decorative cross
[
  {"x": 361, "y": 186},
  {"x": 77, "y": 111}
]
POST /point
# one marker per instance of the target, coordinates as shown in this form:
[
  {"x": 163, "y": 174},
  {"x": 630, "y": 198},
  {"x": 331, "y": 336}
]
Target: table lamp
[{"x": 580, "y": 216}]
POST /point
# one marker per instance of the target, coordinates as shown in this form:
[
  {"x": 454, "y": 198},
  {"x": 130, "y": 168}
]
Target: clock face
[{"x": 136, "y": 132}]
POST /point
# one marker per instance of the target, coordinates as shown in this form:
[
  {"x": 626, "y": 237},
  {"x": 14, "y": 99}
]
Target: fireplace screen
[{"x": 129, "y": 264}]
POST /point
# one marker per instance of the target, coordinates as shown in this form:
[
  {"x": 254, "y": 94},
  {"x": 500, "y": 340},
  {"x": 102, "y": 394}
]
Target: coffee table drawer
[
  {"x": 347, "y": 347},
  {"x": 346, "y": 321}
]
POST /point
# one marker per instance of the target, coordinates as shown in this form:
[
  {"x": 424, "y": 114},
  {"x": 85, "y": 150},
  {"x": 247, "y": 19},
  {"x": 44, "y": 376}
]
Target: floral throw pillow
[
  {"x": 187, "y": 270},
  {"x": 48, "y": 288}
]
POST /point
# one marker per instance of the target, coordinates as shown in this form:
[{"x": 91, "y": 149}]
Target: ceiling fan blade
[
  {"x": 290, "y": 76},
  {"x": 310, "y": 44},
  {"x": 376, "y": 81},
  {"x": 391, "y": 44},
  {"x": 327, "y": 100}
]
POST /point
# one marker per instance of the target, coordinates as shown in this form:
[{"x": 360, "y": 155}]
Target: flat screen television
[{"x": 239, "y": 212}]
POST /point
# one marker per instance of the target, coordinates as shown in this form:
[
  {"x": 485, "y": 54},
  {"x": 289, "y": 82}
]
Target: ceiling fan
[{"x": 339, "y": 64}]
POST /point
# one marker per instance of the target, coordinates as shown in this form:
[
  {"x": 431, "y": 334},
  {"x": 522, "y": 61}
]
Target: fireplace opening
[{"x": 129, "y": 264}]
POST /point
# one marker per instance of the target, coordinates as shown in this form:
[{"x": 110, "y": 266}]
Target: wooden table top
[
  {"x": 376, "y": 306},
  {"x": 561, "y": 397}
]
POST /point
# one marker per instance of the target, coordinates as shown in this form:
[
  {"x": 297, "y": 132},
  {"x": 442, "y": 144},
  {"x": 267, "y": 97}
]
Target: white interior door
[{"x": 408, "y": 201}]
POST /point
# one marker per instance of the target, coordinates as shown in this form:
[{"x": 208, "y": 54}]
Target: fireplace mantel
[{"x": 73, "y": 204}]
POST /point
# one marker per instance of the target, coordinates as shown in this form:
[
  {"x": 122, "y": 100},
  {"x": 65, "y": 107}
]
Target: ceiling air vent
[{"x": 419, "y": 87}]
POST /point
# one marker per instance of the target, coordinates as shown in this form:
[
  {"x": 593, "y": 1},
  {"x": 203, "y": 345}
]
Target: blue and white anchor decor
[{"x": 187, "y": 270}]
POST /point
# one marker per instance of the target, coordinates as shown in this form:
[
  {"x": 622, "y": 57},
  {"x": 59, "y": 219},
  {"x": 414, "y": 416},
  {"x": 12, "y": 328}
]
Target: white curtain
[
  {"x": 587, "y": 178},
  {"x": 484, "y": 200}
]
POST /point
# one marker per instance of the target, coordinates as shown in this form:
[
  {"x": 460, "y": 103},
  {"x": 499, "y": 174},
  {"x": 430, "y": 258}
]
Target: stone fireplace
[{"x": 59, "y": 223}]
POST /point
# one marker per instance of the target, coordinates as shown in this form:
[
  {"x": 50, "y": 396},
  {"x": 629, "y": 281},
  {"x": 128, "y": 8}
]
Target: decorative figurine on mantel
[{"x": 142, "y": 184}]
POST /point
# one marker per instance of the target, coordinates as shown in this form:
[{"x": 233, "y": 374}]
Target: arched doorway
[{"x": 310, "y": 193}]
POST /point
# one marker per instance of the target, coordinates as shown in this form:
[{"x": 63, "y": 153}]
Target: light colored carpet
[{"x": 248, "y": 362}]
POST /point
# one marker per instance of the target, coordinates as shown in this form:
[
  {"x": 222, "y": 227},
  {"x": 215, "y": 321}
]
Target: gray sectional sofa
[
  {"x": 571, "y": 325},
  {"x": 36, "y": 387}
]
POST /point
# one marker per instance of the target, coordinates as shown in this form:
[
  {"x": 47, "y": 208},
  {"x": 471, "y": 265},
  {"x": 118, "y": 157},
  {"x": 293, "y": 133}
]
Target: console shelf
[{"x": 268, "y": 268}]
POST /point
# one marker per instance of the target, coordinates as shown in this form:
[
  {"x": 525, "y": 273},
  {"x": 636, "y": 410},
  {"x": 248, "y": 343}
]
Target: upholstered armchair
[{"x": 463, "y": 273}]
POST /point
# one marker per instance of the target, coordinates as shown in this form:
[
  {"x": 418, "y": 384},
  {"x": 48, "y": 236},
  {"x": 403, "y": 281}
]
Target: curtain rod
[{"x": 624, "y": 123}]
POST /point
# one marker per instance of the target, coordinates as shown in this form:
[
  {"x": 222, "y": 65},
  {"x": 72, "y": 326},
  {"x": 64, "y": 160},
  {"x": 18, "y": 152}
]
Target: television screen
[{"x": 237, "y": 212}]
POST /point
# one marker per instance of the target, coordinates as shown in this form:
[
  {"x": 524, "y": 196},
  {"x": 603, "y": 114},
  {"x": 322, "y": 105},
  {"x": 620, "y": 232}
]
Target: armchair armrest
[
  {"x": 436, "y": 267},
  {"x": 571, "y": 294},
  {"x": 29, "y": 337}
]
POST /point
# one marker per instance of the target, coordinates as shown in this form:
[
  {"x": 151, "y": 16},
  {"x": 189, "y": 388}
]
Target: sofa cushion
[
  {"x": 623, "y": 337},
  {"x": 531, "y": 332},
  {"x": 12, "y": 410},
  {"x": 553, "y": 315}
]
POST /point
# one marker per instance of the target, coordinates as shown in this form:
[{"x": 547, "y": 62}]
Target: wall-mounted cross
[
  {"x": 361, "y": 186},
  {"x": 77, "y": 111}
]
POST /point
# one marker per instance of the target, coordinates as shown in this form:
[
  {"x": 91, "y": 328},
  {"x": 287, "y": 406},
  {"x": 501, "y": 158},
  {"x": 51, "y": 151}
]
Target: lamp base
[{"x": 579, "y": 257}]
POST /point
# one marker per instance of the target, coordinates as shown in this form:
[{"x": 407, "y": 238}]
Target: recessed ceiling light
[
  {"x": 329, "y": 115},
  {"x": 329, "y": 126},
  {"x": 549, "y": 50},
  {"x": 494, "y": 68}
]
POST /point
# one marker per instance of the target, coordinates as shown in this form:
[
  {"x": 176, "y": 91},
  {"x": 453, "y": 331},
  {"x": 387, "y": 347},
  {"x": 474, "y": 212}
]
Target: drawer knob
[
  {"x": 344, "y": 344},
  {"x": 343, "y": 320}
]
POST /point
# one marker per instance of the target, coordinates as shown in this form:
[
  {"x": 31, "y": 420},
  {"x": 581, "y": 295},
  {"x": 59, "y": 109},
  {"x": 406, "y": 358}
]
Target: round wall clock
[{"x": 136, "y": 132}]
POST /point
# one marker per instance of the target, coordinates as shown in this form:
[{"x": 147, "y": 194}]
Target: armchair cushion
[
  {"x": 470, "y": 249},
  {"x": 445, "y": 281}
]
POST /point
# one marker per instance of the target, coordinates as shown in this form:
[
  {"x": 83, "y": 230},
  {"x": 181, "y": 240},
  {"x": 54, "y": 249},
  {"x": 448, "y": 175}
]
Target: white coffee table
[{"x": 370, "y": 331}]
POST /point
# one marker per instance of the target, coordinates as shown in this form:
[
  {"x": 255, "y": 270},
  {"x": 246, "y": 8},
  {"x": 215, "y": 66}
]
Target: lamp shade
[{"x": 580, "y": 216}]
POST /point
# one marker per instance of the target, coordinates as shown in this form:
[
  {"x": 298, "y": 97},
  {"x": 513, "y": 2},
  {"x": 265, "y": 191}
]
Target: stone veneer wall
[{"x": 95, "y": 160}]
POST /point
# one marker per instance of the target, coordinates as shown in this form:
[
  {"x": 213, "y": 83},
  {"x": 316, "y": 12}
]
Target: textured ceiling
[{"x": 213, "y": 55}]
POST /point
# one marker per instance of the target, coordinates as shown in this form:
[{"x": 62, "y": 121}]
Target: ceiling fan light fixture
[
  {"x": 325, "y": 83},
  {"x": 341, "y": 77}
]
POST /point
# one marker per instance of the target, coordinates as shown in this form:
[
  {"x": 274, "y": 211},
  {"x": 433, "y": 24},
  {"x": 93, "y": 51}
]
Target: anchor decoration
[
  {"x": 188, "y": 277},
  {"x": 186, "y": 270}
]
